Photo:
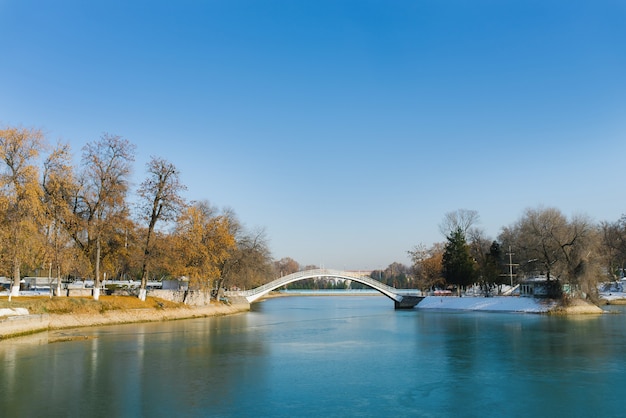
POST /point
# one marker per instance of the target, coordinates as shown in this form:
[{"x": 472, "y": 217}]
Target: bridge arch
[{"x": 401, "y": 301}]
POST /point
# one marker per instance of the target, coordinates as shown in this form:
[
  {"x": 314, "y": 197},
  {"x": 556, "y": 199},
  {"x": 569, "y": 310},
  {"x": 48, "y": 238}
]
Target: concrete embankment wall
[
  {"x": 27, "y": 324},
  {"x": 23, "y": 324},
  {"x": 190, "y": 297},
  {"x": 198, "y": 304},
  {"x": 193, "y": 297},
  {"x": 79, "y": 292},
  {"x": 143, "y": 315}
]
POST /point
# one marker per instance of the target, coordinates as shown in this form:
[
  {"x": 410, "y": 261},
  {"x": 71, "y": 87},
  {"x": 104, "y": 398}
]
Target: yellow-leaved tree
[
  {"x": 59, "y": 186},
  {"x": 20, "y": 195},
  {"x": 203, "y": 242}
]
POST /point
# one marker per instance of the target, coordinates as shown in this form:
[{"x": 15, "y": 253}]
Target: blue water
[{"x": 325, "y": 356}]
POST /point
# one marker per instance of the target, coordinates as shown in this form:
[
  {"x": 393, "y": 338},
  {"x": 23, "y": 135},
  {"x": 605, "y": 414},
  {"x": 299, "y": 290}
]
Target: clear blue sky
[{"x": 347, "y": 129}]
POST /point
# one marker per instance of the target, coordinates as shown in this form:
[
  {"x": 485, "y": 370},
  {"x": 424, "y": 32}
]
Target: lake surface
[{"x": 325, "y": 356}]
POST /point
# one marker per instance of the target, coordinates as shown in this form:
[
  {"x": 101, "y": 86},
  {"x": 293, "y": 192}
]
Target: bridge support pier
[{"x": 408, "y": 302}]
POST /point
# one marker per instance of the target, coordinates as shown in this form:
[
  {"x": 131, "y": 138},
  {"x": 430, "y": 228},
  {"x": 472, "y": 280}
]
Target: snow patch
[
  {"x": 613, "y": 295},
  {"x": 496, "y": 303}
]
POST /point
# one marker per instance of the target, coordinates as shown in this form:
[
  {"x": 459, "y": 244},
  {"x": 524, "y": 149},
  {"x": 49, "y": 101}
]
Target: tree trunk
[
  {"x": 50, "y": 279},
  {"x": 96, "y": 282},
  {"x": 144, "y": 281},
  {"x": 58, "y": 280},
  {"x": 15, "y": 283},
  {"x": 144, "y": 266}
]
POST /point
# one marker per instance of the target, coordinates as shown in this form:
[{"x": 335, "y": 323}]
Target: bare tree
[
  {"x": 100, "y": 200},
  {"x": 613, "y": 248},
  {"x": 249, "y": 263},
  {"x": 541, "y": 234},
  {"x": 286, "y": 266},
  {"x": 464, "y": 219},
  {"x": 479, "y": 245},
  {"x": 547, "y": 242},
  {"x": 161, "y": 200}
]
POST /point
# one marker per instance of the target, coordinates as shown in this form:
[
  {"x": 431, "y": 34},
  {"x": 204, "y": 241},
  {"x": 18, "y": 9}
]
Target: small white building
[
  {"x": 182, "y": 283},
  {"x": 39, "y": 283},
  {"x": 536, "y": 287}
]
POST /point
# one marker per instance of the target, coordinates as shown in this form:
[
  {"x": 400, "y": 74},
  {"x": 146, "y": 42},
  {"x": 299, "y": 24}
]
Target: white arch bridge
[{"x": 401, "y": 300}]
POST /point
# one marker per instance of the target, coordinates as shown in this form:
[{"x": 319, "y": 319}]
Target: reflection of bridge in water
[{"x": 402, "y": 300}]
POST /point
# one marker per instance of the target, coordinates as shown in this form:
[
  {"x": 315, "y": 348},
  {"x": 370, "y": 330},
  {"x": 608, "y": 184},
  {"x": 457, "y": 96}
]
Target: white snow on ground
[
  {"x": 613, "y": 290},
  {"x": 496, "y": 303},
  {"x": 612, "y": 295}
]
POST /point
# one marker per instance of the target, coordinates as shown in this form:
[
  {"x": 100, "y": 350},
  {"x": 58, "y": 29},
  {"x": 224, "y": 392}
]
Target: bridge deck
[{"x": 401, "y": 299}]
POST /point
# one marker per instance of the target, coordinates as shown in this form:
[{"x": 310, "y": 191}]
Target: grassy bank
[
  {"x": 37, "y": 305},
  {"x": 59, "y": 313}
]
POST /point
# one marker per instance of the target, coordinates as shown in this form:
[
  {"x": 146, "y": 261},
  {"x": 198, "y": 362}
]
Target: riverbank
[
  {"x": 60, "y": 321},
  {"x": 508, "y": 304},
  {"x": 31, "y": 315},
  {"x": 479, "y": 303},
  {"x": 613, "y": 298},
  {"x": 95, "y": 314}
]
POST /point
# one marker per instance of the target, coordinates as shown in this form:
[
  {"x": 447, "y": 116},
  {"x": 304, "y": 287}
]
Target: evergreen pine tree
[
  {"x": 493, "y": 268},
  {"x": 458, "y": 265}
]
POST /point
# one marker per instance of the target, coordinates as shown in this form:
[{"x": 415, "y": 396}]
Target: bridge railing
[
  {"x": 363, "y": 278},
  {"x": 272, "y": 284}
]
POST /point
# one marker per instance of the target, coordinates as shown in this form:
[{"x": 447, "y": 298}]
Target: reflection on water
[{"x": 323, "y": 356}]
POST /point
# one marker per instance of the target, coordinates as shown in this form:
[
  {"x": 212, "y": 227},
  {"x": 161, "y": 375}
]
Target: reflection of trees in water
[
  {"x": 120, "y": 372},
  {"x": 563, "y": 344},
  {"x": 203, "y": 363}
]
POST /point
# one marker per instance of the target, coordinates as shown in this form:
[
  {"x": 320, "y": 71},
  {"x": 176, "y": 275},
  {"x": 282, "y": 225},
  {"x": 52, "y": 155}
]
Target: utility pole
[{"x": 510, "y": 254}]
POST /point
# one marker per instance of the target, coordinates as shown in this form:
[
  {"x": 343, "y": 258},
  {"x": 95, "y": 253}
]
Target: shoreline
[
  {"x": 21, "y": 325},
  {"x": 512, "y": 304},
  {"x": 616, "y": 302},
  {"x": 64, "y": 321}
]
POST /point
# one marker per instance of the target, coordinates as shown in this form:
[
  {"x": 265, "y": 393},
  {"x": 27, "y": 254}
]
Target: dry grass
[
  {"x": 577, "y": 306},
  {"x": 616, "y": 302},
  {"x": 83, "y": 305}
]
